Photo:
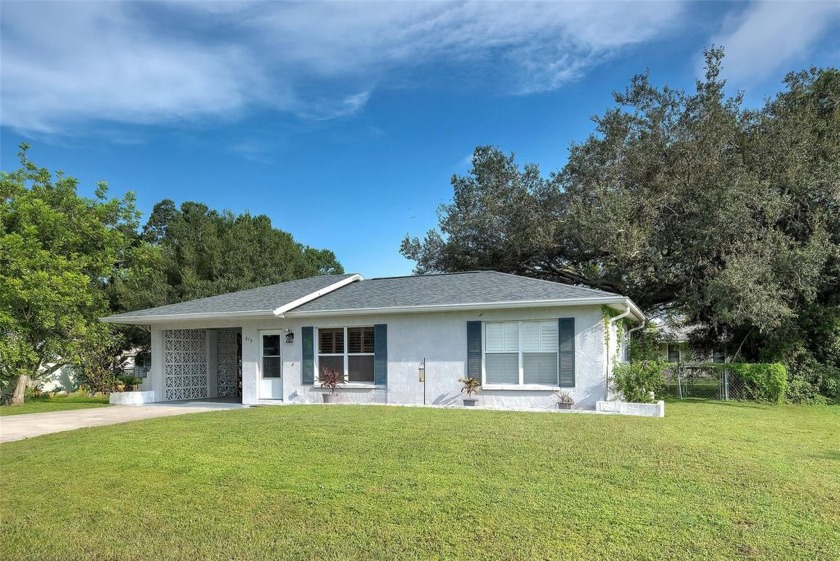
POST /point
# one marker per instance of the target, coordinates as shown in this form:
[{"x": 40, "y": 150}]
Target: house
[
  {"x": 66, "y": 379},
  {"x": 399, "y": 340},
  {"x": 675, "y": 345}
]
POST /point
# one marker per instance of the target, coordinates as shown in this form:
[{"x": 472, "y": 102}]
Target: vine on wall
[{"x": 608, "y": 313}]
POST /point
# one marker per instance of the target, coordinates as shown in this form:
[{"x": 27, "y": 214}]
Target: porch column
[
  {"x": 212, "y": 363},
  {"x": 250, "y": 359}
]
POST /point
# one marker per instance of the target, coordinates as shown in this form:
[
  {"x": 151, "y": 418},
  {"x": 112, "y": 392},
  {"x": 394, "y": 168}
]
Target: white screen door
[{"x": 271, "y": 367}]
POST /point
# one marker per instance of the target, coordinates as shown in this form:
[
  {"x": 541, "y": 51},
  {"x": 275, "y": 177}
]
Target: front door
[{"x": 271, "y": 366}]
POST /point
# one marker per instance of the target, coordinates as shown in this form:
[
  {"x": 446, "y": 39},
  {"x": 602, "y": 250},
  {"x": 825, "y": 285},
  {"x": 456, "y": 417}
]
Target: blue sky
[{"x": 344, "y": 122}]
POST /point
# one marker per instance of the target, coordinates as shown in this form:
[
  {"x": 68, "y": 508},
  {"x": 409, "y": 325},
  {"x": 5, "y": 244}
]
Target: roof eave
[
  {"x": 634, "y": 309},
  {"x": 600, "y": 300},
  {"x": 165, "y": 318}
]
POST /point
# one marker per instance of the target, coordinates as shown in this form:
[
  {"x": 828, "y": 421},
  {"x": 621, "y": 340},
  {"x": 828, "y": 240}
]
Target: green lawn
[
  {"x": 710, "y": 481},
  {"x": 47, "y": 404}
]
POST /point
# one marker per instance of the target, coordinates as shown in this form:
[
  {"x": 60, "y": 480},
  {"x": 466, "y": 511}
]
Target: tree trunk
[{"x": 20, "y": 390}]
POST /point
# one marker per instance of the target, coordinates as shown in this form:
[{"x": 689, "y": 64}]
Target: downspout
[
  {"x": 610, "y": 324},
  {"x": 642, "y": 325}
]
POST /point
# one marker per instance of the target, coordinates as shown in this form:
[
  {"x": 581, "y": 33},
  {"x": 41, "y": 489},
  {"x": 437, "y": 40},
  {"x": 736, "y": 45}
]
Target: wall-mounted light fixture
[{"x": 290, "y": 336}]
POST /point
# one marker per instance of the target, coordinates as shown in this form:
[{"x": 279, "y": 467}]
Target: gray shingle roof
[
  {"x": 256, "y": 300},
  {"x": 429, "y": 291},
  {"x": 445, "y": 290}
]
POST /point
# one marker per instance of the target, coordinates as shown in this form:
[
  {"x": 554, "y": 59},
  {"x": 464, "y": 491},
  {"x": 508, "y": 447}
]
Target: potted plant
[
  {"x": 130, "y": 383},
  {"x": 470, "y": 388},
  {"x": 564, "y": 399},
  {"x": 330, "y": 379}
]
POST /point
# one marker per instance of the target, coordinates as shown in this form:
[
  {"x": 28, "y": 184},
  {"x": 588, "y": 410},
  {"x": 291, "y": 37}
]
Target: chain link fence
[{"x": 705, "y": 381}]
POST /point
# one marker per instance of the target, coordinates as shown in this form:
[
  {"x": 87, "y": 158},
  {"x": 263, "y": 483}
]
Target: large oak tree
[{"x": 684, "y": 201}]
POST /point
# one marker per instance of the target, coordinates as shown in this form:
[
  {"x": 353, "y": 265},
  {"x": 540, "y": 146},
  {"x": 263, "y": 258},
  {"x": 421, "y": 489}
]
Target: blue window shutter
[
  {"x": 307, "y": 364},
  {"x": 474, "y": 349},
  {"x": 567, "y": 352},
  {"x": 380, "y": 354}
]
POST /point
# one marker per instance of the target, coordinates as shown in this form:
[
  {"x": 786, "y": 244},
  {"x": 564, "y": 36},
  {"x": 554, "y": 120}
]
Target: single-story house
[
  {"x": 675, "y": 345},
  {"x": 399, "y": 340}
]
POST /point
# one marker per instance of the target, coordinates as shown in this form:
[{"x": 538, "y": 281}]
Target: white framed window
[
  {"x": 674, "y": 354},
  {"x": 521, "y": 353},
  {"x": 349, "y": 351}
]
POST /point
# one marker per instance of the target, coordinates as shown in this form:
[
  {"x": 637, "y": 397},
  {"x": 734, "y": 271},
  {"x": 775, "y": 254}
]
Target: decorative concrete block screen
[
  {"x": 185, "y": 363},
  {"x": 227, "y": 359}
]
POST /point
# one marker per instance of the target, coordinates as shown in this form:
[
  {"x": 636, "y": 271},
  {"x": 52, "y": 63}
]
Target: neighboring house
[
  {"x": 676, "y": 345},
  {"x": 134, "y": 363},
  {"x": 63, "y": 379},
  {"x": 522, "y": 337}
]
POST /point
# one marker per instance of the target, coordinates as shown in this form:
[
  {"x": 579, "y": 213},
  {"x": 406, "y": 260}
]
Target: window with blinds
[
  {"x": 354, "y": 361},
  {"x": 521, "y": 352}
]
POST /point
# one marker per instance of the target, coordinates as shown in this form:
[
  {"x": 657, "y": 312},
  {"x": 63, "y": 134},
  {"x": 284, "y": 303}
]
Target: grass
[
  {"x": 53, "y": 403},
  {"x": 710, "y": 481}
]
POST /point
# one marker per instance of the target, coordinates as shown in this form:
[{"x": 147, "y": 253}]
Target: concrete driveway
[{"x": 18, "y": 427}]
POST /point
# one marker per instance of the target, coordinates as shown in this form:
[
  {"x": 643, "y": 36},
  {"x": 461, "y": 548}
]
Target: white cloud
[
  {"x": 71, "y": 63},
  {"x": 91, "y": 61},
  {"x": 768, "y": 37}
]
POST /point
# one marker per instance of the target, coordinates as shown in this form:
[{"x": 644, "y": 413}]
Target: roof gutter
[
  {"x": 610, "y": 325},
  {"x": 146, "y": 320},
  {"x": 281, "y": 311},
  {"x": 631, "y": 308},
  {"x": 605, "y": 300}
]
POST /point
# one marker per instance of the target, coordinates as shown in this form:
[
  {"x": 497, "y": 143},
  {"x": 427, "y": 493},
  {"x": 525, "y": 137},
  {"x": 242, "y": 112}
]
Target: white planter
[
  {"x": 131, "y": 398},
  {"x": 626, "y": 408}
]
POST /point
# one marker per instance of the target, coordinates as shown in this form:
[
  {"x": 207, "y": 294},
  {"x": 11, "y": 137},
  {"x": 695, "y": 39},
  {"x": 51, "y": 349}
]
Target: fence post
[
  {"x": 726, "y": 384},
  {"x": 679, "y": 380}
]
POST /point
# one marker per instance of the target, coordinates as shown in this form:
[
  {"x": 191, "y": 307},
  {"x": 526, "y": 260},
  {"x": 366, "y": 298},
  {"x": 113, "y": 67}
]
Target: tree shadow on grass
[
  {"x": 717, "y": 402},
  {"x": 828, "y": 455}
]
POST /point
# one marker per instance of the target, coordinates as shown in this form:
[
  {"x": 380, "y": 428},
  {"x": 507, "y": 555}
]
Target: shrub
[
  {"x": 808, "y": 344},
  {"x": 762, "y": 381},
  {"x": 640, "y": 382},
  {"x": 800, "y": 390},
  {"x": 130, "y": 380}
]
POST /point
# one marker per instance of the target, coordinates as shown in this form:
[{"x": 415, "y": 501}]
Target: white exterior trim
[
  {"x": 604, "y": 300},
  {"x": 521, "y": 387},
  {"x": 147, "y": 320},
  {"x": 281, "y": 311},
  {"x": 264, "y": 382},
  {"x": 263, "y": 314}
]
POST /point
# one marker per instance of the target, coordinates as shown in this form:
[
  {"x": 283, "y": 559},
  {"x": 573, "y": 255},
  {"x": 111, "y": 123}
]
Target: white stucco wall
[{"x": 440, "y": 338}]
